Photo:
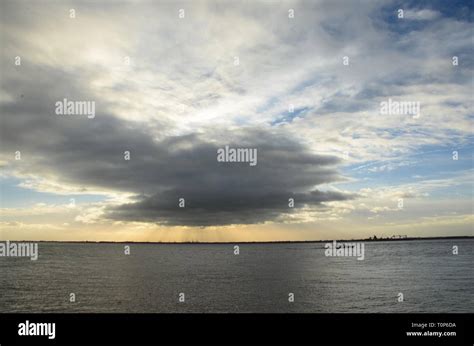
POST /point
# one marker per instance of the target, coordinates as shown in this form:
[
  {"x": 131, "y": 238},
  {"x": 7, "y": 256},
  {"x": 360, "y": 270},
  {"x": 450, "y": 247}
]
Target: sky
[{"x": 301, "y": 82}]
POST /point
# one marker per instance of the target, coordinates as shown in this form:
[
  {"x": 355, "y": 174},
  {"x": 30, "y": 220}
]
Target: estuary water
[{"x": 262, "y": 278}]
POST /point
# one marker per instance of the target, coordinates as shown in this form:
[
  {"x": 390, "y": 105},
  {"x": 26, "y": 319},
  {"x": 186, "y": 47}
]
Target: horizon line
[{"x": 243, "y": 242}]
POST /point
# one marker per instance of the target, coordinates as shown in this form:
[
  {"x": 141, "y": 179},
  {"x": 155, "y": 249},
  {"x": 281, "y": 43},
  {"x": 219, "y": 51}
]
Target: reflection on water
[{"x": 260, "y": 279}]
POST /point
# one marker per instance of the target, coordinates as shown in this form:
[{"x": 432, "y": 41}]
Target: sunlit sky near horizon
[{"x": 305, "y": 91}]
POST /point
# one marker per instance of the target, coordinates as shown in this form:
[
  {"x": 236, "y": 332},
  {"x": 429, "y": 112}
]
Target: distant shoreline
[{"x": 244, "y": 242}]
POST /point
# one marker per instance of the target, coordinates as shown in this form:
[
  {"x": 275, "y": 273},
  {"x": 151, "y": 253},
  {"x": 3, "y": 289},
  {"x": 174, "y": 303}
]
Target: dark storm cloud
[
  {"x": 210, "y": 207},
  {"x": 218, "y": 193},
  {"x": 89, "y": 153}
]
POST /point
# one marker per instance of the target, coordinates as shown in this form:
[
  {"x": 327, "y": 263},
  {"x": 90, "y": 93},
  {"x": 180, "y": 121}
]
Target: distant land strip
[{"x": 247, "y": 242}]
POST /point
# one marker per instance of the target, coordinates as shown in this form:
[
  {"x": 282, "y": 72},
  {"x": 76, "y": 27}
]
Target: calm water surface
[{"x": 213, "y": 279}]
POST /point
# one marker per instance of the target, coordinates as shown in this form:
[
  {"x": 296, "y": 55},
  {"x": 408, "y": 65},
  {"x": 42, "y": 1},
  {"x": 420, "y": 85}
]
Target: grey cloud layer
[{"x": 89, "y": 153}]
